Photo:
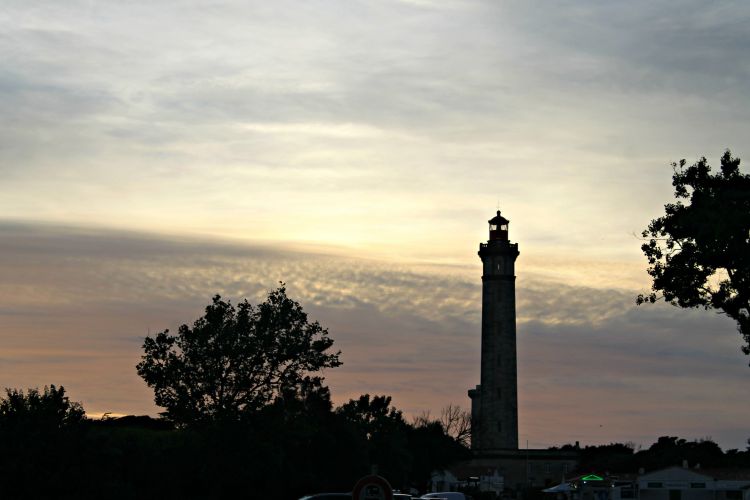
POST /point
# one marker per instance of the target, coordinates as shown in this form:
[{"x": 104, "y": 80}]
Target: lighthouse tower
[{"x": 494, "y": 403}]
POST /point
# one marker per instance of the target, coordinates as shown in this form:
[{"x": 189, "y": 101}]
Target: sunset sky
[{"x": 155, "y": 153}]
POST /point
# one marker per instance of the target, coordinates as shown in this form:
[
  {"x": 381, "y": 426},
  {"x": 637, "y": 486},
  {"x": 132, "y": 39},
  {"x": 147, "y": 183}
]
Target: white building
[
  {"x": 677, "y": 483},
  {"x": 672, "y": 483}
]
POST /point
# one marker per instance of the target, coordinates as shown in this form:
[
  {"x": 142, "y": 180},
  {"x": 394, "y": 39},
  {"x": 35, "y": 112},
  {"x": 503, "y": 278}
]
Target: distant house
[
  {"x": 678, "y": 483},
  {"x": 672, "y": 483}
]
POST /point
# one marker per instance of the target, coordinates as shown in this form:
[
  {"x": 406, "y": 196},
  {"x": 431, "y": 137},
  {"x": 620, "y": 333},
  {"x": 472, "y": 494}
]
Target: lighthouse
[{"x": 494, "y": 402}]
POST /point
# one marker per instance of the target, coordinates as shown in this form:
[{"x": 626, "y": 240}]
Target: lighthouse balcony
[{"x": 498, "y": 247}]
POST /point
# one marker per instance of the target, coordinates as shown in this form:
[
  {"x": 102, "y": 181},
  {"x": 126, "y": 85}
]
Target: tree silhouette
[
  {"x": 383, "y": 428},
  {"x": 455, "y": 421},
  {"x": 699, "y": 253},
  {"x": 373, "y": 416},
  {"x": 433, "y": 448},
  {"x": 50, "y": 408},
  {"x": 671, "y": 450},
  {"x": 234, "y": 361}
]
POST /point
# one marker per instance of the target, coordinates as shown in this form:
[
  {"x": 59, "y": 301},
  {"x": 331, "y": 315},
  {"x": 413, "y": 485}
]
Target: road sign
[{"x": 372, "y": 488}]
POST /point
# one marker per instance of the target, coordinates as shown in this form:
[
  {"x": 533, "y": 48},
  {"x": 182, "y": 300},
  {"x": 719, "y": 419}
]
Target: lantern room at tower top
[{"x": 498, "y": 227}]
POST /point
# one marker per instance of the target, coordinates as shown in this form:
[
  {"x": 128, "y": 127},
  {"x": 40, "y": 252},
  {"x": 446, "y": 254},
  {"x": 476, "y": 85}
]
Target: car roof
[{"x": 327, "y": 496}]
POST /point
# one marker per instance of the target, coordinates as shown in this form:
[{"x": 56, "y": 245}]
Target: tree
[
  {"x": 50, "y": 409},
  {"x": 671, "y": 450},
  {"x": 455, "y": 421},
  {"x": 613, "y": 456},
  {"x": 373, "y": 416},
  {"x": 432, "y": 449},
  {"x": 235, "y": 361},
  {"x": 383, "y": 429},
  {"x": 40, "y": 436},
  {"x": 699, "y": 252}
]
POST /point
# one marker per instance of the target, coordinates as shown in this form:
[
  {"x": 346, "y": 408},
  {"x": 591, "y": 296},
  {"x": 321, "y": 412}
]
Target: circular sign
[{"x": 372, "y": 488}]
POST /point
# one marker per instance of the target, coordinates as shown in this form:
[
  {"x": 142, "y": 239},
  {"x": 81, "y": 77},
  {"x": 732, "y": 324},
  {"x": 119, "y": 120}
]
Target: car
[
  {"x": 444, "y": 495},
  {"x": 328, "y": 496}
]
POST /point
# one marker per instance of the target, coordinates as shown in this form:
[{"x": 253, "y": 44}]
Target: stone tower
[{"x": 494, "y": 403}]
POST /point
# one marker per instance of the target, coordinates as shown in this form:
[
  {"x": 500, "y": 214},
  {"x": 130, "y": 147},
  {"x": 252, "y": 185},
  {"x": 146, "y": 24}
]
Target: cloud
[
  {"x": 283, "y": 121},
  {"x": 77, "y": 303},
  {"x": 363, "y": 130}
]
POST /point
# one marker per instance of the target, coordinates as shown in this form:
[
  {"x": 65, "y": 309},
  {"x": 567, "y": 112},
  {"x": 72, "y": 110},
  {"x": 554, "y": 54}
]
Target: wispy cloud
[
  {"x": 77, "y": 303},
  {"x": 353, "y": 150},
  {"x": 240, "y": 119}
]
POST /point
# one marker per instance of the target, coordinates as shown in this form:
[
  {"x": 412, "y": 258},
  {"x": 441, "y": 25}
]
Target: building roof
[
  {"x": 498, "y": 219},
  {"x": 675, "y": 474},
  {"x": 734, "y": 474},
  {"x": 681, "y": 473}
]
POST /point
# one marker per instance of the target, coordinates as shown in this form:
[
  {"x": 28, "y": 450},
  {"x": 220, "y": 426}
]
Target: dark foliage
[
  {"x": 608, "y": 457},
  {"x": 293, "y": 446},
  {"x": 235, "y": 361},
  {"x": 384, "y": 432},
  {"x": 455, "y": 421},
  {"x": 699, "y": 252},
  {"x": 49, "y": 409},
  {"x": 673, "y": 451},
  {"x": 138, "y": 421},
  {"x": 432, "y": 448},
  {"x": 668, "y": 451},
  {"x": 405, "y": 454},
  {"x": 247, "y": 417}
]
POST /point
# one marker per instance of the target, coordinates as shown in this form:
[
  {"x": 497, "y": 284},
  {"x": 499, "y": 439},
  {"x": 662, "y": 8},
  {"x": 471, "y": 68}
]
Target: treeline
[
  {"x": 666, "y": 452},
  {"x": 246, "y": 415},
  {"x": 289, "y": 448}
]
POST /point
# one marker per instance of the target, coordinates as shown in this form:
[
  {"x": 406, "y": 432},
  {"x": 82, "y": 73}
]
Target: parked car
[
  {"x": 445, "y": 495},
  {"x": 328, "y": 496},
  {"x": 402, "y": 496}
]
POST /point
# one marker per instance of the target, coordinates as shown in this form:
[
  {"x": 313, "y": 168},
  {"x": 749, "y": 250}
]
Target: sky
[{"x": 156, "y": 153}]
